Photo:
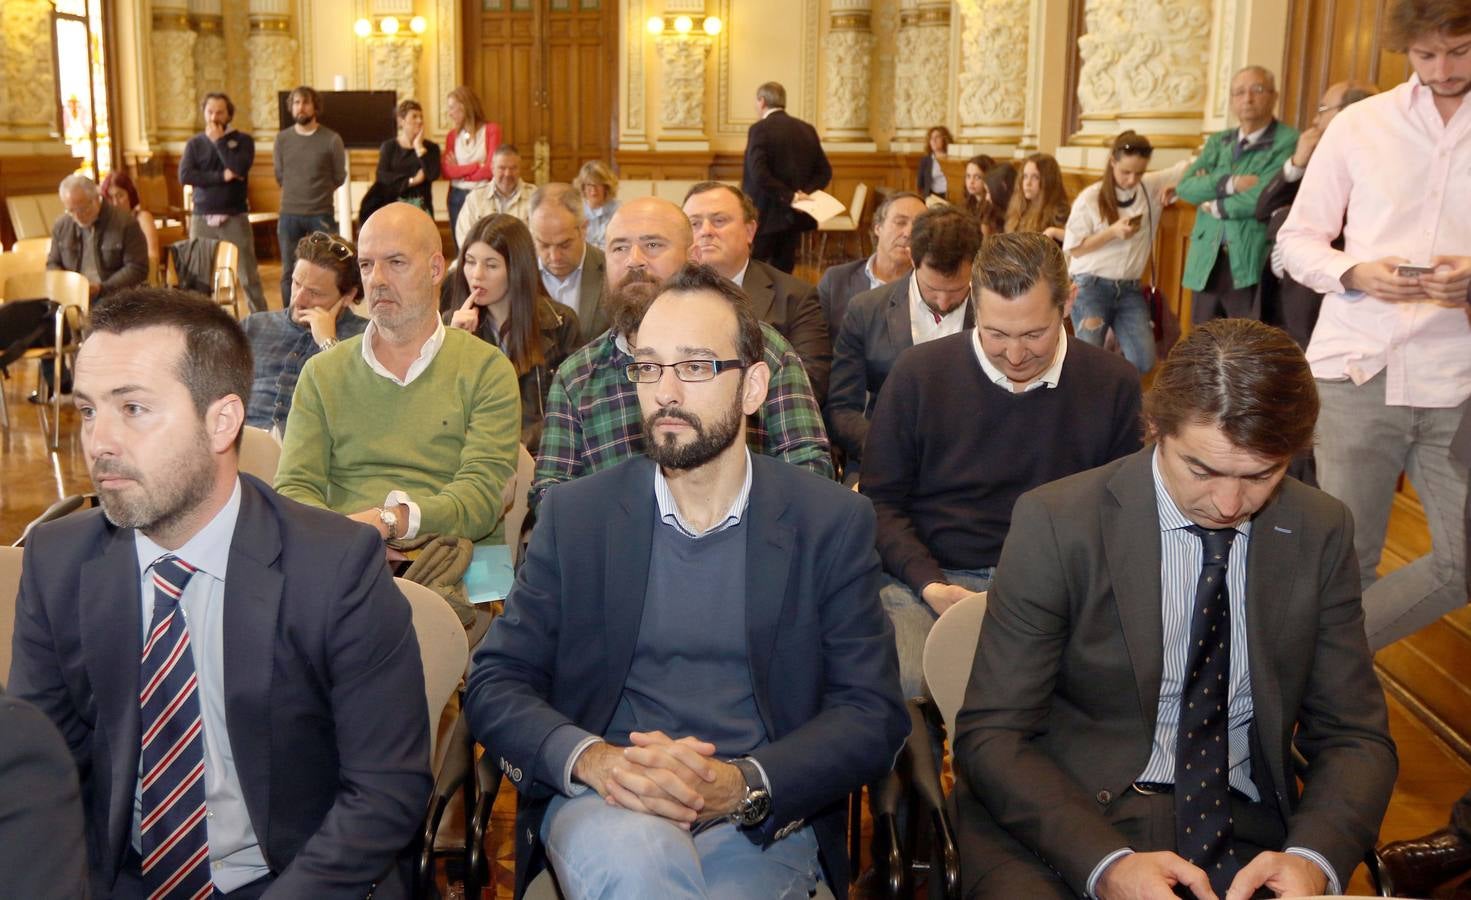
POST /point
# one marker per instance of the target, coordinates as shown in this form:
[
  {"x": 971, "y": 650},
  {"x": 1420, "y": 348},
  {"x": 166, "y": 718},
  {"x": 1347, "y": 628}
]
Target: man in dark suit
[
  {"x": 723, "y": 220},
  {"x": 884, "y": 322},
  {"x": 893, "y": 222},
  {"x": 784, "y": 162},
  {"x": 270, "y": 735},
  {"x": 572, "y": 270},
  {"x": 1141, "y": 680},
  {"x": 776, "y": 673},
  {"x": 1285, "y": 302},
  {"x": 42, "y": 854}
]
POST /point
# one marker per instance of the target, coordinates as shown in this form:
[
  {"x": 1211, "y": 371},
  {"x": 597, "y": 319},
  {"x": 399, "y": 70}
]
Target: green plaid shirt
[{"x": 593, "y": 420}]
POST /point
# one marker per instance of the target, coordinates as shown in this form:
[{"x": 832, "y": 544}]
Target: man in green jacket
[
  {"x": 1228, "y": 246},
  {"x": 409, "y": 427}
]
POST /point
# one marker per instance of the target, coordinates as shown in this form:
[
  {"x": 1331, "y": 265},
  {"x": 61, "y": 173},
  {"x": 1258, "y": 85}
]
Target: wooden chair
[
  {"x": 227, "y": 279},
  {"x": 10, "y": 558},
  {"x": 71, "y": 293},
  {"x": 17, "y": 264},
  {"x": 442, "y": 648},
  {"x": 260, "y": 453},
  {"x": 33, "y": 250},
  {"x": 27, "y": 217},
  {"x": 517, "y": 501},
  {"x": 843, "y": 224}
]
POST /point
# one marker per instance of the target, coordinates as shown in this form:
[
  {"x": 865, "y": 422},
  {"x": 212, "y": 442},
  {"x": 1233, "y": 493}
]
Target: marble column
[
  {"x": 208, "y": 19},
  {"x": 27, "y": 82},
  {"x": 271, "y": 49},
  {"x": 171, "y": 43},
  {"x": 1144, "y": 66},
  {"x": 993, "y": 74},
  {"x": 1048, "y": 53},
  {"x": 922, "y": 81},
  {"x": 847, "y": 63}
]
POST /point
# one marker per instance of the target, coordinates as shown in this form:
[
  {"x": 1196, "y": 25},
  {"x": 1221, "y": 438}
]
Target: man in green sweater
[{"x": 410, "y": 427}]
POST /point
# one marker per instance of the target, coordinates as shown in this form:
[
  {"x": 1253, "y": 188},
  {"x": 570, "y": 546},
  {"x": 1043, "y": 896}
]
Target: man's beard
[
  {"x": 630, "y": 299},
  {"x": 706, "y": 445},
  {"x": 305, "y": 120},
  {"x": 1459, "y": 90},
  {"x": 158, "y": 506}
]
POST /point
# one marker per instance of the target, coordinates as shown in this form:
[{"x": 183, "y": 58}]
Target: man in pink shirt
[{"x": 1392, "y": 347}]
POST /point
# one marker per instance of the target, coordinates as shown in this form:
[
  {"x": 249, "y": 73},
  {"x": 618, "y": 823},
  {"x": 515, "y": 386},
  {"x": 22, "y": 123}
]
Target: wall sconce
[
  {"x": 683, "y": 25},
  {"x": 387, "y": 26}
]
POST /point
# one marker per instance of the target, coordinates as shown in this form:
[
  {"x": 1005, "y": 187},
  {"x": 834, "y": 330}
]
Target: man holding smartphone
[{"x": 1392, "y": 347}]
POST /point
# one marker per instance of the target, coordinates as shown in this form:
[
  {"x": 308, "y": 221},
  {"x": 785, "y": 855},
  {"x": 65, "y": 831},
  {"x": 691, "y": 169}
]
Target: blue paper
[{"x": 490, "y": 574}]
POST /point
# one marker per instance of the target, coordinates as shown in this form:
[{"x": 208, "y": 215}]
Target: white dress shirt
[
  {"x": 566, "y": 291},
  {"x": 925, "y": 324}
]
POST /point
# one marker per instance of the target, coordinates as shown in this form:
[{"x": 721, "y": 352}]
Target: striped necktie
[
  {"x": 175, "y": 838},
  {"x": 1203, "y": 822}
]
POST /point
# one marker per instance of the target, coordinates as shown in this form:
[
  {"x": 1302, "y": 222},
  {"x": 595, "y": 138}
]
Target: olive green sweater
[{"x": 447, "y": 439}]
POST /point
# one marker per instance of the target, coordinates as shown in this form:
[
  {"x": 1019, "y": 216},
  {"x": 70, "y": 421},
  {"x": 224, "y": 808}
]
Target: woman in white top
[
  {"x": 599, "y": 189},
  {"x": 1108, "y": 238},
  {"x": 931, "y": 173},
  {"x": 467, "y": 150}
]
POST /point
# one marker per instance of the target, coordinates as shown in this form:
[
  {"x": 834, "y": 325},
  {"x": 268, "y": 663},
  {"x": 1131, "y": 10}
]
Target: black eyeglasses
[
  {"x": 1325, "y": 108},
  {"x": 684, "y": 370},
  {"x": 335, "y": 245},
  {"x": 1136, "y": 149}
]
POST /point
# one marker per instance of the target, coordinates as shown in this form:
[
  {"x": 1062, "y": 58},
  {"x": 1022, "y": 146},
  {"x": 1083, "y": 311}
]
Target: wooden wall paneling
[
  {"x": 1330, "y": 41},
  {"x": 581, "y": 95},
  {"x": 20, "y": 175}
]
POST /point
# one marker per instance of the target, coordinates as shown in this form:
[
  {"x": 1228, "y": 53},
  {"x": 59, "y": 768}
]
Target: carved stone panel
[
  {"x": 272, "y": 54},
  {"x": 847, "y": 56},
  {"x": 173, "y": 80},
  {"x": 921, "y": 70},
  {"x": 27, "y": 84},
  {"x": 993, "y": 75},
  {"x": 1145, "y": 57},
  {"x": 682, "y": 87},
  {"x": 395, "y": 64}
]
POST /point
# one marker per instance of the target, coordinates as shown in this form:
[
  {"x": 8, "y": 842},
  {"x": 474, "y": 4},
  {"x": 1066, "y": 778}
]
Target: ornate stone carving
[
  {"x": 272, "y": 54},
  {"x": 173, "y": 82},
  {"x": 921, "y": 70},
  {"x": 993, "y": 76},
  {"x": 845, "y": 108},
  {"x": 682, "y": 97},
  {"x": 27, "y": 85},
  {"x": 209, "y": 62},
  {"x": 1144, "y": 56},
  {"x": 396, "y": 64}
]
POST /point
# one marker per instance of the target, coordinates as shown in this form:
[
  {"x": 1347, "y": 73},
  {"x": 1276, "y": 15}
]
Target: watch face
[{"x": 755, "y": 808}]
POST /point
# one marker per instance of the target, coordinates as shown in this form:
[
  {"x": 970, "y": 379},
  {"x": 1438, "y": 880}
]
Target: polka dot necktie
[
  {"x": 174, "y": 831},
  {"x": 1202, "y": 762}
]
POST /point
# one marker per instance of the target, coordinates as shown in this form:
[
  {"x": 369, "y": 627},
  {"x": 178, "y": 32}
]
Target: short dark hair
[
  {"x": 216, "y": 361},
  {"x": 696, "y": 278},
  {"x": 219, "y": 95},
  {"x": 506, "y": 150},
  {"x": 1012, "y": 263},
  {"x": 1249, "y": 379},
  {"x": 882, "y": 211},
  {"x": 943, "y": 238},
  {"x": 1411, "y": 20},
  {"x": 772, "y": 94},
  {"x": 407, "y": 106},
  {"x": 328, "y": 254},
  {"x": 748, "y": 209},
  {"x": 309, "y": 92}
]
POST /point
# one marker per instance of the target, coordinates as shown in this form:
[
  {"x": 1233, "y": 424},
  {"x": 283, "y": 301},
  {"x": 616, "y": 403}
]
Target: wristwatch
[
  {"x": 328, "y": 344},
  {"x": 752, "y": 809},
  {"x": 389, "y": 518}
]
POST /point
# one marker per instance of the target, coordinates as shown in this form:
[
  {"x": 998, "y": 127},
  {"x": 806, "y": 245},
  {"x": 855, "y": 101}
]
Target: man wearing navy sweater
[
  {"x": 967, "y": 423},
  {"x": 217, "y": 163}
]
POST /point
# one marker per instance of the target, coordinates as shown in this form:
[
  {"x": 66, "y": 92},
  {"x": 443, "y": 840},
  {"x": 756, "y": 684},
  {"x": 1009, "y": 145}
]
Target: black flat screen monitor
[{"x": 365, "y": 119}]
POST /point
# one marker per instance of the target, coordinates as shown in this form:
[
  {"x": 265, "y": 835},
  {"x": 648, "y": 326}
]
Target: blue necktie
[
  {"x": 1203, "y": 822},
  {"x": 175, "y": 837}
]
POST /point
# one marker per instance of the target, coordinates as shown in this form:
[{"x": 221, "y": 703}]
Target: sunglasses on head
[{"x": 335, "y": 245}]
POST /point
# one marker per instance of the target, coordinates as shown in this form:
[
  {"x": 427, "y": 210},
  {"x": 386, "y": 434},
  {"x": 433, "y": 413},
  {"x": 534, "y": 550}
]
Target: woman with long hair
[
  {"x": 497, "y": 294},
  {"x": 598, "y": 186},
  {"x": 999, "y": 183},
  {"x": 931, "y": 173},
  {"x": 1108, "y": 240},
  {"x": 121, "y": 192},
  {"x": 467, "y": 150},
  {"x": 1042, "y": 203},
  {"x": 977, "y": 198}
]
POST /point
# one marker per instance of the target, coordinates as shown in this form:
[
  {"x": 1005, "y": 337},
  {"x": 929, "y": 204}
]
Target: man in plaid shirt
[{"x": 592, "y": 410}]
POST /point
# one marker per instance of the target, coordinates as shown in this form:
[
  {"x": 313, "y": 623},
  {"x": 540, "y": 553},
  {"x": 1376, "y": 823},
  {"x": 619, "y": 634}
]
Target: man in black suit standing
[
  {"x": 236, "y": 675},
  {"x": 784, "y": 162}
]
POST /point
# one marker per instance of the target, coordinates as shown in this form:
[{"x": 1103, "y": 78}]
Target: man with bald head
[
  {"x": 1285, "y": 303},
  {"x": 409, "y": 427},
  {"x": 592, "y": 409}
]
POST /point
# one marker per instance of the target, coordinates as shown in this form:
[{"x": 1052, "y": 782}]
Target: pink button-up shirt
[{"x": 1403, "y": 177}]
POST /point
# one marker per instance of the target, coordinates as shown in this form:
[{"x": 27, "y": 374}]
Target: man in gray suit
[
  {"x": 1118, "y": 738},
  {"x": 893, "y": 222},
  {"x": 572, "y": 270}
]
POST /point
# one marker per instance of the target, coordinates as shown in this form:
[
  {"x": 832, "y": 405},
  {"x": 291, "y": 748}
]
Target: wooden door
[
  {"x": 547, "y": 71},
  {"x": 1330, "y": 41}
]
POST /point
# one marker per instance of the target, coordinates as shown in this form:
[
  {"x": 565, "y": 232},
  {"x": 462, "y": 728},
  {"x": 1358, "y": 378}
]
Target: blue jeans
[
  {"x": 597, "y": 850},
  {"x": 912, "y": 619},
  {"x": 456, "y": 200},
  {"x": 1104, "y": 302},
  {"x": 290, "y": 229}
]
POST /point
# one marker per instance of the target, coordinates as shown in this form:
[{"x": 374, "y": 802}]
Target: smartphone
[{"x": 1413, "y": 271}]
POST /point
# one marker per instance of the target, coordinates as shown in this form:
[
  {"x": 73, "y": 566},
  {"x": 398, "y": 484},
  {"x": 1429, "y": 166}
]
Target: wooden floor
[{"x": 1431, "y": 776}]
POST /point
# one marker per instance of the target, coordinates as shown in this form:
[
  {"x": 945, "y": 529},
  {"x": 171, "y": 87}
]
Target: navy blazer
[
  {"x": 875, "y": 331},
  {"x": 324, "y": 689},
  {"x": 823, "y": 665},
  {"x": 790, "y": 305},
  {"x": 838, "y": 285}
]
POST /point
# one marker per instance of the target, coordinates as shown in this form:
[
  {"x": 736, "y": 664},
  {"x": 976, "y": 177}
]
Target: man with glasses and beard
[
  {"x": 235, "y": 674},
  {"x": 741, "y": 603},
  {"x": 592, "y": 409}
]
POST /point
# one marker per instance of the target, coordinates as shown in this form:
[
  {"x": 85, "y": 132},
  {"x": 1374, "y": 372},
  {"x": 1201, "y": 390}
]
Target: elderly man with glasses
[{"x": 324, "y": 284}]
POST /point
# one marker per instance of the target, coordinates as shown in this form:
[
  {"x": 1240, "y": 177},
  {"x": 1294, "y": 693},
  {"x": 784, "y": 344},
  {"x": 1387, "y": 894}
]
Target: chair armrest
[{"x": 927, "y": 795}]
